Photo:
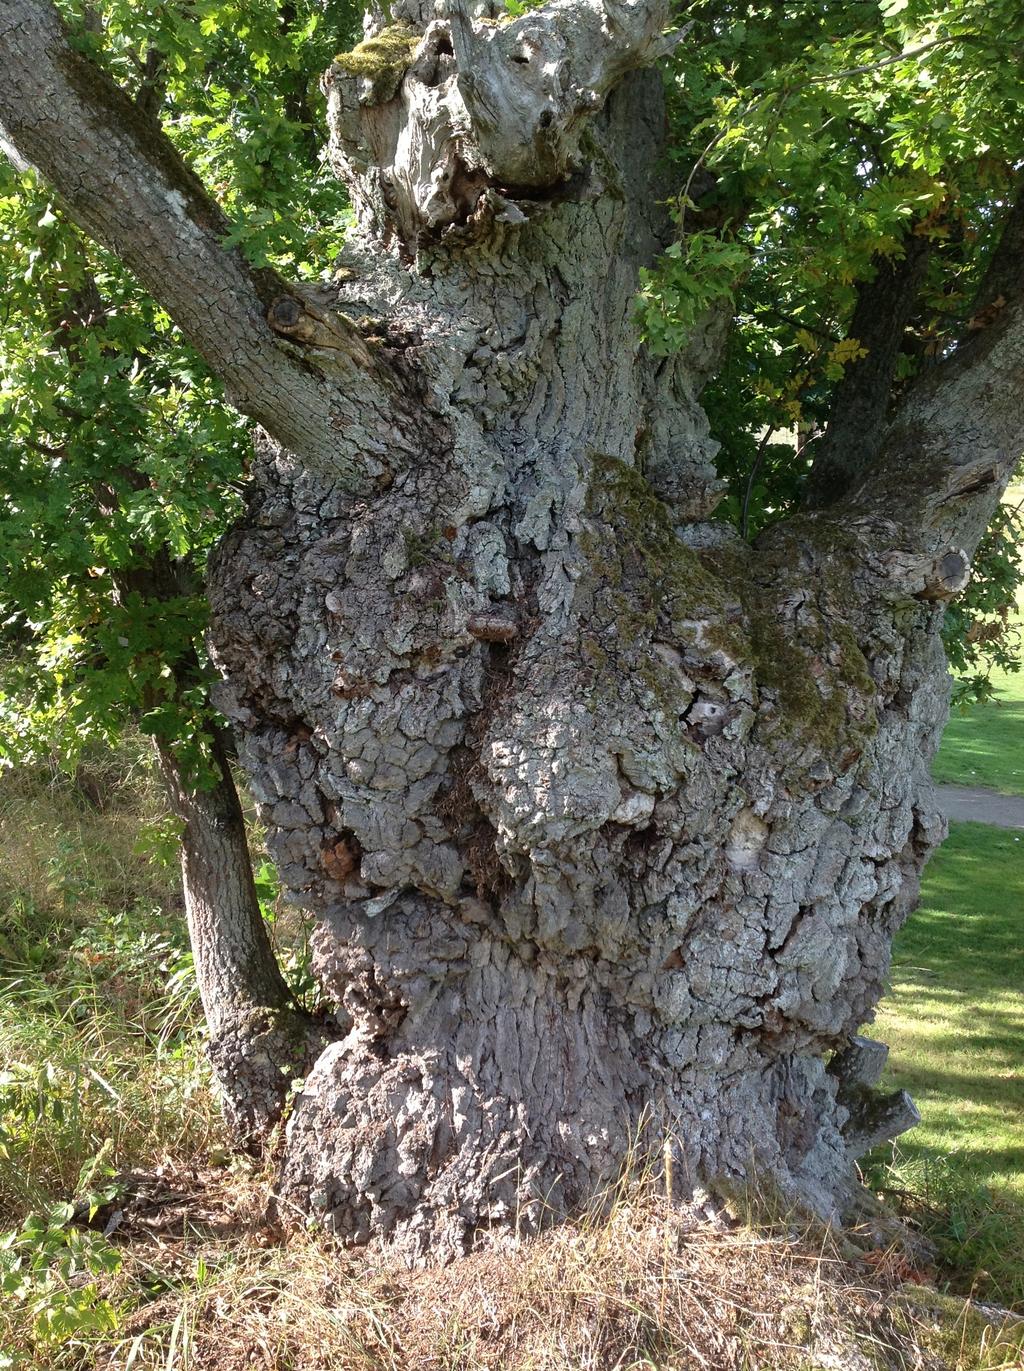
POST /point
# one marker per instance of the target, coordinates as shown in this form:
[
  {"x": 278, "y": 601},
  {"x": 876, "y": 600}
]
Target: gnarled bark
[
  {"x": 605, "y": 816},
  {"x": 607, "y": 819}
]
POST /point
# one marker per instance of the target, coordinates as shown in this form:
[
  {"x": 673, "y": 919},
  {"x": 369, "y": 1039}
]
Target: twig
[
  {"x": 907, "y": 56},
  {"x": 762, "y": 448}
]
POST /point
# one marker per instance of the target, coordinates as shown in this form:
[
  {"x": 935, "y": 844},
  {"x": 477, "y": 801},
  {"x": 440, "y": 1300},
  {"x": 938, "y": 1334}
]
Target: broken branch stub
[
  {"x": 934, "y": 578},
  {"x": 446, "y": 111},
  {"x": 873, "y": 1116}
]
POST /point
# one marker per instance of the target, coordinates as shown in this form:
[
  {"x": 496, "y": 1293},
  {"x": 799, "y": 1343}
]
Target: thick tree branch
[
  {"x": 125, "y": 184},
  {"x": 911, "y": 522},
  {"x": 856, "y": 422},
  {"x": 957, "y": 436}
]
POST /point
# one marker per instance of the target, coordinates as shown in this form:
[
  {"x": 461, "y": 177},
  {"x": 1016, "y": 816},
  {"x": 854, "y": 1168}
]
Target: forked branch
[{"x": 955, "y": 438}]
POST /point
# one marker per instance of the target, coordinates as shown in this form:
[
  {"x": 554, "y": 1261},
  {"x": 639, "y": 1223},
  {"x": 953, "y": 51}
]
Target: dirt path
[{"x": 978, "y": 805}]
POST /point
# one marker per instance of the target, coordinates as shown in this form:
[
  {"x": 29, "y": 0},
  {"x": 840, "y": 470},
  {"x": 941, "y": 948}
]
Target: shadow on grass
[
  {"x": 983, "y": 747},
  {"x": 972, "y": 910}
]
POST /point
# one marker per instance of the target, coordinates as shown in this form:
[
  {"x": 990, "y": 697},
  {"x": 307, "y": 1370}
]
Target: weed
[{"x": 50, "y": 1272}]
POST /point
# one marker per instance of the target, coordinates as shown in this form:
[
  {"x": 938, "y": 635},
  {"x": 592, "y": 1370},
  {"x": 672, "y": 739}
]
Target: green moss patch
[
  {"x": 382, "y": 60},
  {"x": 644, "y": 572},
  {"x": 820, "y": 677}
]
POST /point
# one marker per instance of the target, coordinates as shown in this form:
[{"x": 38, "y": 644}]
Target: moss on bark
[{"x": 382, "y": 60}]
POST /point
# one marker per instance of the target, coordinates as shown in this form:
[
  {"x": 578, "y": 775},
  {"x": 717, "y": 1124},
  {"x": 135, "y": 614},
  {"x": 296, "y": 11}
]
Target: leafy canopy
[
  {"x": 120, "y": 462},
  {"x": 814, "y": 140}
]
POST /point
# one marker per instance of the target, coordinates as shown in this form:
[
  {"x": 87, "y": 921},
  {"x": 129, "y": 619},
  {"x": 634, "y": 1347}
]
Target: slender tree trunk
[
  {"x": 259, "y": 1039},
  {"x": 607, "y": 818}
]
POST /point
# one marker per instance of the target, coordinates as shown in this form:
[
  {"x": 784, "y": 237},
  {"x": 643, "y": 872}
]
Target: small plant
[
  {"x": 290, "y": 937},
  {"x": 49, "y": 1269},
  {"x": 691, "y": 275}
]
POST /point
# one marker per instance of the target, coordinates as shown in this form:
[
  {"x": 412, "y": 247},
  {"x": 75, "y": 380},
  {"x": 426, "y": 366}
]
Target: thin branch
[
  {"x": 684, "y": 194},
  {"x": 762, "y": 448},
  {"x": 868, "y": 67}
]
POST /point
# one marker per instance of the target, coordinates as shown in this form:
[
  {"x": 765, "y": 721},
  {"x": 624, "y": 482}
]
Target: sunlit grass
[
  {"x": 955, "y": 1024},
  {"x": 100, "y": 1033},
  {"x": 984, "y": 743}
]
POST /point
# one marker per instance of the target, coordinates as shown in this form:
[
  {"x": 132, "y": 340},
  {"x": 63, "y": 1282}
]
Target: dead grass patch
[{"x": 216, "y": 1288}]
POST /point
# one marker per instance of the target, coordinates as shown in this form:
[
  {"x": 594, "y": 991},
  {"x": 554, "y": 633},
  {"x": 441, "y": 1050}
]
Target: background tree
[{"x": 607, "y": 815}]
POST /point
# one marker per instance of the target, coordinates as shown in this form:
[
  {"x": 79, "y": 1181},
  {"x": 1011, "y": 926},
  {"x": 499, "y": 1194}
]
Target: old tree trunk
[{"x": 606, "y": 818}]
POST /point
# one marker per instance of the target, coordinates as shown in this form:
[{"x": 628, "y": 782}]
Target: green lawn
[
  {"x": 955, "y": 1016},
  {"x": 955, "y": 1024},
  {"x": 984, "y": 745}
]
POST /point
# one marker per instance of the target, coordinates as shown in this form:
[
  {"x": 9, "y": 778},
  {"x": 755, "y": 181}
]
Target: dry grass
[
  {"x": 99, "y": 1029},
  {"x": 89, "y": 929},
  {"x": 215, "y": 1289}
]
